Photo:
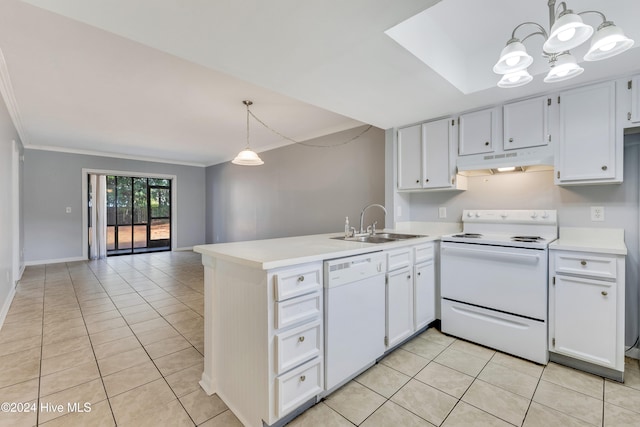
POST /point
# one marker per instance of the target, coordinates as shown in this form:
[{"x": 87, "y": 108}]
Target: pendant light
[
  {"x": 247, "y": 157},
  {"x": 567, "y": 31}
]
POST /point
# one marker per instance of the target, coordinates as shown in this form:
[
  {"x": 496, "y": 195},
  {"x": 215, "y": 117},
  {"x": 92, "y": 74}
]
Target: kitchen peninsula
[{"x": 264, "y": 321}]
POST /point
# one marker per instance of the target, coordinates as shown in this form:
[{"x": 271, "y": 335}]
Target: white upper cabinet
[
  {"x": 426, "y": 157},
  {"x": 478, "y": 131},
  {"x": 634, "y": 114},
  {"x": 526, "y": 123},
  {"x": 588, "y": 151},
  {"x": 436, "y": 137},
  {"x": 410, "y": 158}
]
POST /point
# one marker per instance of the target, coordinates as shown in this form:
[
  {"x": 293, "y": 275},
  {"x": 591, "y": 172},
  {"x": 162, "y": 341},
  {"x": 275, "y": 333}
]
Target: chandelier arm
[
  {"x": 542, "y": 31},
  {"x": 604, "y": 18}
]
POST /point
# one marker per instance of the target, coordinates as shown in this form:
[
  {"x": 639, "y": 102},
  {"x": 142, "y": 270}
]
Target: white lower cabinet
[
  {"x": 586, "y": 310},
  {"x": 424, "y": 291},
  {"x": 410, "y": 292},
  {"x": 399, "y": 306}
]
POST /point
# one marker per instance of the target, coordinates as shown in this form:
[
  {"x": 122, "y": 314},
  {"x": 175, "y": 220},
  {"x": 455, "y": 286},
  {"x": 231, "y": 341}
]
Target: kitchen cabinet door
[
  {"x": 436, "y": 137},
  {"x": 478, "y": 132},
  {"x": 587, "y": 146},
  {"x": 399, "y": 306},
  {"x": 424, "y": 294},
  {"x": 410, "y": 158},
  {"x": 577, "y": 332},
  {"x": 526, "y": 123},
  {"x": 634, "y": 115}
]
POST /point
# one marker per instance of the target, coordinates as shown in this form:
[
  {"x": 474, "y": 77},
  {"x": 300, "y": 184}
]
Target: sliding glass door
[{"x": 138, "y": 214}]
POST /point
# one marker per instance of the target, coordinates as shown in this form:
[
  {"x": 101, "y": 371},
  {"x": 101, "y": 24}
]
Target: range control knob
[
  {"x": 477, "y": 214},
  {"x": 545, "y": 214},
  {"x": 503, "y": 215},
  {"x": 469, "y": 214},
  {"x": 534, "y": 214}
]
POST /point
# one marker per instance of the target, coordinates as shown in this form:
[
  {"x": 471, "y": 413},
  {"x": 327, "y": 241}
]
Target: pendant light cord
[{"x": 306, "y": 144}]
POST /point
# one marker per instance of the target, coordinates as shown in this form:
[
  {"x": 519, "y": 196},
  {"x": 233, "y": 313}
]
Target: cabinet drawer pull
[
  {"x": 301, "y": 279},
  {"x": 510, "y": 139},
  {"x": 303, "y": 377},
  {"x": 605, "y": 293},
  {"x": 301, "y": 339},
  {"x": 583, "y": 262},
  {"x": 604, "y": 168}
]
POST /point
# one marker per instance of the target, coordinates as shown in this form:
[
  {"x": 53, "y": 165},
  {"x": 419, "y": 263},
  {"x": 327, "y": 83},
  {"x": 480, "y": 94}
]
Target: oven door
[{"x": 512, "y": 280}]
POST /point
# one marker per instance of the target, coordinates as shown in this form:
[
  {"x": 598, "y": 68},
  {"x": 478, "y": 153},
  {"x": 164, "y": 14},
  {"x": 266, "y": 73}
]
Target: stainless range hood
[{"x": 525, "y": 159}]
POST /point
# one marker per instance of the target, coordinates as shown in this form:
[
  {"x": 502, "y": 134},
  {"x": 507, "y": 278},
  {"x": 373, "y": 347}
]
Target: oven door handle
[{"x": 493, "y": 255}]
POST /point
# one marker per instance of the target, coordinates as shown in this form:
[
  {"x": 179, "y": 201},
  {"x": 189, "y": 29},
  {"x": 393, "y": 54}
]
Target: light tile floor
[{"x": 126, "y": 336}]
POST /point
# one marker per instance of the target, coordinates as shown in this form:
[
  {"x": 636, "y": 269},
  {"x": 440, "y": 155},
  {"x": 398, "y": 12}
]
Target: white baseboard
[
  {"x": 187, "y": 249},
  {"x": 55, "y": 261},
  {"x": 6, "y": 305}
]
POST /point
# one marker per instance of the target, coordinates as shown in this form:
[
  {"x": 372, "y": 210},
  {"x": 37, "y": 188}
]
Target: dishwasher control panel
[{"x": 350, "y": 269}]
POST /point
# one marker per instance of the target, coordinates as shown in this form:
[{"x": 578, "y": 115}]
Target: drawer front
[
  {"x": 399, "y": 258},
  {"x": 423, "y": 253},
  {"x": 298, "y": 345},
  {"x": 297, "y": 310},
  {"x": 577, "y": 263},
  {"x": 297, "y": 281},
  {"x": 298, "y": 386}
]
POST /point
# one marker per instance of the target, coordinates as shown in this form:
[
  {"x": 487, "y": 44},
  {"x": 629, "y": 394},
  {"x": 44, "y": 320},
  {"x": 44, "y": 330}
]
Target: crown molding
[
  {"x": 113, "y": 155},
  {"x": 6, "y": 90}
]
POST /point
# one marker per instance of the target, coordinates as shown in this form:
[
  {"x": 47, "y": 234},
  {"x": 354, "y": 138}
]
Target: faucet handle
[
  {"x": 369, "y": 229},
  {"x": 373, "y": 227}
]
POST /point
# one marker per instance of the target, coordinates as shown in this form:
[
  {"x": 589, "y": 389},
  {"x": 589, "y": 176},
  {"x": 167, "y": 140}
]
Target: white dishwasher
[{"x": 354, "y": 315}]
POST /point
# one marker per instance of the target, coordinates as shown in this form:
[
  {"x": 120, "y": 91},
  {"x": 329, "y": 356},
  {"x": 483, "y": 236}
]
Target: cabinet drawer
[
  {"x": 399, "y": 258},
  {"x": 577, "y": 263},
  {"x": 298, "y": 345},
  {"x": 297, "y": 281},
  {"x": 423, "y": 253},
  {"x": 298, "y": 386},
  {"x": 297, "y": 310}
]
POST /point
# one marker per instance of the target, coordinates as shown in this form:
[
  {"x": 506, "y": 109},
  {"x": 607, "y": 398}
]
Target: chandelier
[{"x": 567, "y": 31}]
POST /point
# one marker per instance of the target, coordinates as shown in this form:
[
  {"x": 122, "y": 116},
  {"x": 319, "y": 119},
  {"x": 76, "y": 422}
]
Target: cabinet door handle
[
  {"x": 301, "y": 279},
  {"x": 408, "y": 276},
  {"x": 417, "y": 181},
  {"x": 486, "y": 143},
  {"x": 419, "y": 273},
  {"x": 583, "y": 262},
  {"x": 302, "y": 377},
  {"x": 301, "y": 338},
  {"x": 605, "y": 293},
  {"x": 510, "y": 139},
  {"x": 426, "y": 180},
  {"x": 604, "y": 168}
]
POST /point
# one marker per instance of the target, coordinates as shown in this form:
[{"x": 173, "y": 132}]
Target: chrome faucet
[{"x": 362, "y": 216}]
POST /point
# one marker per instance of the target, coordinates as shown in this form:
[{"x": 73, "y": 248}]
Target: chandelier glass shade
[{"x": 567, "y": 31}]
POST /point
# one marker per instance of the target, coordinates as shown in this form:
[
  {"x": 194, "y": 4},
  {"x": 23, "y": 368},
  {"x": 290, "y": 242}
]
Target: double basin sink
[{"x": 379, "y": 237}]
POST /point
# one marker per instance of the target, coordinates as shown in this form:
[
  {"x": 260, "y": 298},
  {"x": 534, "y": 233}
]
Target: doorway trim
[{"x": 85, "y": 200}]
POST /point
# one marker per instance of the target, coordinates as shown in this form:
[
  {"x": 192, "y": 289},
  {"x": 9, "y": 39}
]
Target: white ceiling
[{"x": 164, "y": 79}]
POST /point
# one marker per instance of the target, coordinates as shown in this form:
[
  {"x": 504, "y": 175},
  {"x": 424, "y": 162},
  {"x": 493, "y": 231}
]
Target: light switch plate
[{"x": 597, "y": 213}]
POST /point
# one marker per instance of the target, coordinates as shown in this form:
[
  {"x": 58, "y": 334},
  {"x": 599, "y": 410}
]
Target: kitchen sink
[{"x": 379, "y": 237}]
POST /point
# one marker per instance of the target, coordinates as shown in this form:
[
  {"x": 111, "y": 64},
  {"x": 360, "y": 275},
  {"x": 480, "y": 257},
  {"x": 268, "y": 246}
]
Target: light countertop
[
  {"x": 275, "y": 253},
  {"x": 599, "y": 240}
]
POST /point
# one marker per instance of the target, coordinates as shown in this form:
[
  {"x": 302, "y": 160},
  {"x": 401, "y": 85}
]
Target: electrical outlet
[
  {"x": 442, "y": 212},
  {"x": 68, "y": 209},
  {"x": 597, "y": 213}
]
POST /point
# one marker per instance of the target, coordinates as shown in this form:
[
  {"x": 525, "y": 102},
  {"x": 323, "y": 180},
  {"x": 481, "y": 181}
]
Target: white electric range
[{"x": 494, "y": 279}]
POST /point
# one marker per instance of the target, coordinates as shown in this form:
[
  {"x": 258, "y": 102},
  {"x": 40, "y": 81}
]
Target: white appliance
[
  {"x": 494, "y": 278},
  {"x": 354, "y": 295}
]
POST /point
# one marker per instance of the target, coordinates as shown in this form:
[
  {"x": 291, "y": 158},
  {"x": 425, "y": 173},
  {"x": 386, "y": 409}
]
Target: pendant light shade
[
  {"x": 514, "y": 57},
  {"x": 568, "y": 32},
  {"x": 247, "y": 157},
  {"x": 564, "y": 67},
  {"x": 608, "y": 41},
  {"x": 519, "y": 78}
]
